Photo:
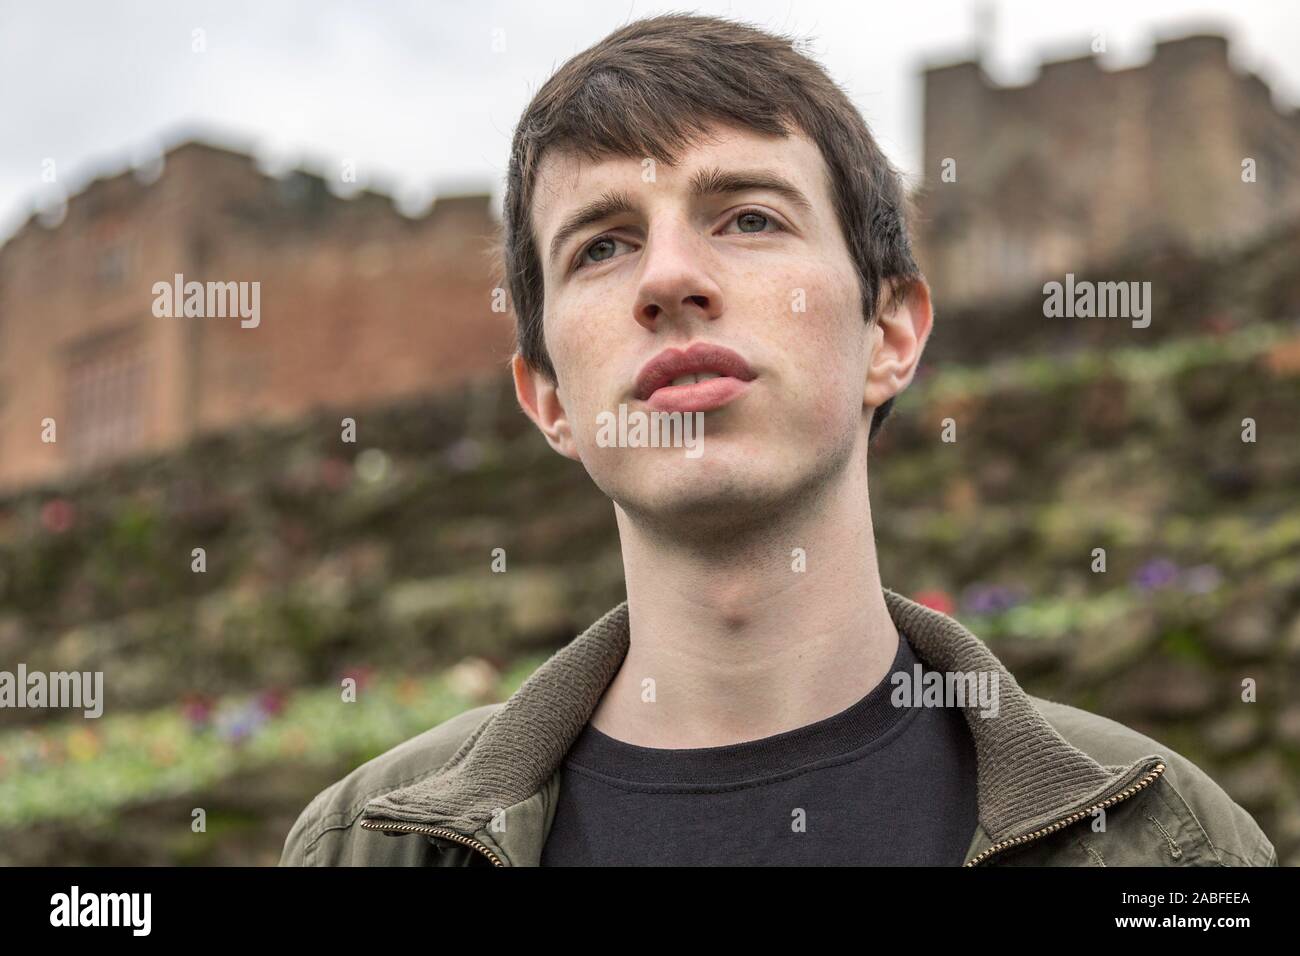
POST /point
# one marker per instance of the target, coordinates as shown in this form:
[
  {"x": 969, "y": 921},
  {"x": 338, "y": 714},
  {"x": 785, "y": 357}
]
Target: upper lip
[{"x": 700, "y": 357}]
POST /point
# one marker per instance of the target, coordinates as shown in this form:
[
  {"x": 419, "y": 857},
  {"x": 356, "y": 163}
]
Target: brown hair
[{"x": 649, "y": 86}]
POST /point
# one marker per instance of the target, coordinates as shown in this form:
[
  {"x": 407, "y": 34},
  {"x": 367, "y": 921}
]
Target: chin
[{"x": 698, "y": 496}]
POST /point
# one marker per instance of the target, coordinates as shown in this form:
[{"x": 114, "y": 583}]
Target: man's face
[{"x": 753, "y": 270}]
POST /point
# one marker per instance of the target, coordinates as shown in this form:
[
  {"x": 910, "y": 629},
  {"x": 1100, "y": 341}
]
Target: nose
[{"x": 677, "y": 282}]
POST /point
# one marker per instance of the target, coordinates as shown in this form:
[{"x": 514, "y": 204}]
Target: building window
[{"x": 107, "y": 401}]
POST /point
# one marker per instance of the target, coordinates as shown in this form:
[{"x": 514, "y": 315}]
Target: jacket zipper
[
  {"x": 434, "y": 831},
  {"x": 1146, "y": 780}
]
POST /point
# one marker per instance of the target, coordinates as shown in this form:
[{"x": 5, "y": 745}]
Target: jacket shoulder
[
  {"x": 1230, "y": 830},
  {"x": 338, "y": 806}
]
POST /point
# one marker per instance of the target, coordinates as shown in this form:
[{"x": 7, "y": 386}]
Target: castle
[
  {"x": 1085, "y": 165},
  {"x": 359, "y": 305}
]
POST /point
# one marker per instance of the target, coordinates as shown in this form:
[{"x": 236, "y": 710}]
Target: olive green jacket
[{"x": 1056, "y": 786}]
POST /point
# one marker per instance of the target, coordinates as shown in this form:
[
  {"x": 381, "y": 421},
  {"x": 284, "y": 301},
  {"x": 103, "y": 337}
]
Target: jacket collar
[{"x": 1028, "y": 776}]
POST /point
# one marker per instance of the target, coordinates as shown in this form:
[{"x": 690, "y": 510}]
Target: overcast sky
[{"x": 414, "y": 93}]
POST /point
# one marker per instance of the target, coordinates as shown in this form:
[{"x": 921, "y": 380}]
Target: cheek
[
  {"x": 579, "y": 340},
  {"x": 578, "y": 334},
  {"x": 823, "y": 345}
]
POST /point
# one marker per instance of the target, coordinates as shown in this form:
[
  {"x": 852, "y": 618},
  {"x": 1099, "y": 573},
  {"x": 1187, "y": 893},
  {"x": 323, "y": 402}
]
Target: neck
[{"x": 739, "y": 643}]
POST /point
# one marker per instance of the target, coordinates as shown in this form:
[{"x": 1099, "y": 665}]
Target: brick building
[
  {"x": 358, "y": 305},
  {"x": 1085, "y": 165}
]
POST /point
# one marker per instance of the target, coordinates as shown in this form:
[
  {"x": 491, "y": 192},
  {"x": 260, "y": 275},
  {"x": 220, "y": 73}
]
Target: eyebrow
[{"x": 705, "y": 182}]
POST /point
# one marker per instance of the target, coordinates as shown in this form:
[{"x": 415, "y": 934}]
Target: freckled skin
[{"x": 683, "y": 270}]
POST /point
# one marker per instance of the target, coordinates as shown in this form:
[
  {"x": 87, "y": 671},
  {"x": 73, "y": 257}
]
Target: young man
[{"x": 699, "y": 221}]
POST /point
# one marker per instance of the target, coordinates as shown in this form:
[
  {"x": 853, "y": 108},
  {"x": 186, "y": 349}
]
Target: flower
[
  {"x": 990, "y": 598},
  {"x": 197, "y": 711},
  {"x": 935, "y": 600},
  {"x": 271, "y": 701},
  {"x": 1155, "y": 574},
  {"x": 237, "y": 724}
]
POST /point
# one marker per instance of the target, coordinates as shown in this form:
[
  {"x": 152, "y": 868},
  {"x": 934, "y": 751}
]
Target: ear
[
  {"x": 539, "y": 397},
  {"x": 902, "y": 327}
]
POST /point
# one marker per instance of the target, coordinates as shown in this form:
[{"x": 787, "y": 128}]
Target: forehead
[{"x": 566, "y": 180}]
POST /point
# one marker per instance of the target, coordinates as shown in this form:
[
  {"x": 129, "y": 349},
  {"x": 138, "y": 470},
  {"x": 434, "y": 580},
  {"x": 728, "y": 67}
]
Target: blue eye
[
  {"x": 759, "y": 217},
  {"x": 596, "y": 244},
  {"x": 755, "y": 217},
  {"x": 602, "y": 241}
]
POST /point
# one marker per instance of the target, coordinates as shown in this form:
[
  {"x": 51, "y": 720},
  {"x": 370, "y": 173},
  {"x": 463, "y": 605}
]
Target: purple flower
[
  {"x": 238, "y": 731},
  {"x": 1155, "y": 574},
  {"x": 238, "y": 725},
  {"x": 990, "y": 598}
]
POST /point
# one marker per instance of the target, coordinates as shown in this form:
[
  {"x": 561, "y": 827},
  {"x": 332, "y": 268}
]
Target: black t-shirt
[{"x": 875, "y": 784}]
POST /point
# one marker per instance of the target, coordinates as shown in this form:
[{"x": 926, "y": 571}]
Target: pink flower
[
  {"x": 271, "y": 702},
  {"x": 197, "y": 710}
]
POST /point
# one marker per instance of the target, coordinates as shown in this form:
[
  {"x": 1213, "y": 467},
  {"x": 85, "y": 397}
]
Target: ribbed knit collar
[{"x": 1028, "y": 775}]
